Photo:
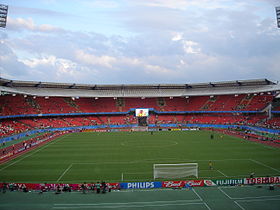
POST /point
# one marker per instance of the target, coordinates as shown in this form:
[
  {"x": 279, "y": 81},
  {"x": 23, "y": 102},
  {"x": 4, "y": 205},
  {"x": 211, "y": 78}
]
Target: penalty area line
[
  {"x": 200, "y": 198},
  {"x": 65, "y": 171},
  {"x": 260, "y": 163},
  {"x": 39, "y": 149},
  {"x": 222, "y": 173}
]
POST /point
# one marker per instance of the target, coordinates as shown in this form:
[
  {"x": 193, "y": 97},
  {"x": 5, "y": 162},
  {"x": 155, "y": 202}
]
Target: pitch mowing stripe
[
  {"x": 124, "y": 203},
  {"x": 148, "y": 160},
  {"x": 139, "y": 180},
  {"x": 200, "y": 198},
  {"x": 256, "y": 197},
  {"x": 64, "y": 172},
  {"x": 219, "y": 188},
  {"x": 245, "y": 198},
  {"x": 239, "y": 205},
  {"x": 259, "y": 200},
  {"x": 260, "y": 163},
  {"x": 130, "y": 204},
  {"x": 39, "y": 149},
  {"x": 222, "y": 173},
  {"x": 127, "y": 206}
]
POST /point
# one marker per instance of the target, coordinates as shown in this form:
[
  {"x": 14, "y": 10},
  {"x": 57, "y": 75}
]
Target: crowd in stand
[
  {"x": 20, "y": 104},
  {"x": 98, "y": 187}
]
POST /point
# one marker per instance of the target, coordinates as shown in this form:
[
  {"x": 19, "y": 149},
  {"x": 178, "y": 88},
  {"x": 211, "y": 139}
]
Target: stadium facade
[
  {"x": 34, "y": 88},
  {"x": 31, "y": 106}
]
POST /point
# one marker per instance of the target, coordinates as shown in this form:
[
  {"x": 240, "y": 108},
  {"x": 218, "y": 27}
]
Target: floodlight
[
  {"x": 3, "y": 15},
  {"x": 278, "y": 16}
]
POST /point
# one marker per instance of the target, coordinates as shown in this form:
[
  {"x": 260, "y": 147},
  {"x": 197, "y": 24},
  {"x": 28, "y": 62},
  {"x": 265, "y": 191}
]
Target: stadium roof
[{"x": 137, "y": 90}]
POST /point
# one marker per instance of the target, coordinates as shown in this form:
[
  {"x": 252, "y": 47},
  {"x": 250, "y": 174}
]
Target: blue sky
[{"x": 140, "y": 41}]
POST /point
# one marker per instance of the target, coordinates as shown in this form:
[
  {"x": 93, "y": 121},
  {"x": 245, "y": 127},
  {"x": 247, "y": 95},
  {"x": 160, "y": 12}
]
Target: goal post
[{"x": 179, "y": 170}]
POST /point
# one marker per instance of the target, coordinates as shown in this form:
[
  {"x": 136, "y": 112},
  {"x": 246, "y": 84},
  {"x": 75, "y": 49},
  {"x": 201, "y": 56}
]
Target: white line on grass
[
  {"x": 173, "y": 143},
  {"x": 219, "y": 188},
  {"x": 148, "y": 160},
  {"x": 125, "y": 206},
  {"x": 207, "y": 206},
  {"x": 245, "y": 199},
  {"x": 239, "y": 205},
  {"x": 150, "y": 190},
  {"x": 230, "y": 198},
  {"x": 222, "y": 173},
  {"x": 244, "y": 186},
  {"x": 260, "y": 163},
  {"x": 263, "y": 145},
  {"x": 67, "y": 169},
  {"x": 188, "y": 160},
  {"x": 201, "y": 199},
  {"x": 197, "y": 195},
  {"x": 264, "y": 196},
  {"x": 43, "y": 147},
  {"x": 125, "y": 203},
  {"x": 259, "y": 200}
]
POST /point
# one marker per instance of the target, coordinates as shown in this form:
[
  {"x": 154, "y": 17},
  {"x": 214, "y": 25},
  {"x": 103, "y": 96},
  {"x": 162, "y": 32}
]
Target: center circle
[{"x": 148, "y": 143}]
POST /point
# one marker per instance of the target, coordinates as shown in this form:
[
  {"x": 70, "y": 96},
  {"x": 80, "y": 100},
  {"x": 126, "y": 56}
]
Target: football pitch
[{"x": 129, "y": 157}]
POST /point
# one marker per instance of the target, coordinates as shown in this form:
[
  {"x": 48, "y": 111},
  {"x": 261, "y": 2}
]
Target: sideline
[{"x": 41, "y": 148}]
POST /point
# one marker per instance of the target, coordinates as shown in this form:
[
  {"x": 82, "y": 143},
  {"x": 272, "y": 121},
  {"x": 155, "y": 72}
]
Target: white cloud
[
  {"x": 105, "y": 60},
  {"x": 177, "y": 37},
  {"x": 91, "y": 59},
  {"x": 101, "y": 3},
  {"x": 191, "y": 47},
  {"x": 35, "y": 62},
  {"x": 28, "y": 24},
  {"x": 171, "y": 42},
  {"x": 186, "y": 4}
]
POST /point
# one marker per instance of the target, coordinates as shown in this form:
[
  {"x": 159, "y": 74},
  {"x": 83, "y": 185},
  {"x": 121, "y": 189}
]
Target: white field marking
[
  {"x": 137, "y": 173},
  {"x": 244, "y": 186},
  {"x": 160, "y": 159},
  {"x": 157, "y": 159},
  {"x": 222, "y": 173},
  {"x": 239, "y": 205},
  {"x": 126, "y": 206},
  {"x": 207, "y": 206},
  {"x": 126, "y": 162},
  {"x": 214, "y": 170},
  {"x": 245, "y": 198},
  {"x": 260, "y": 163},
  {"x": 41, "y": 148},
  {"x": 219, "y": 188},
  {"x": 197, "y": 195},
  {"x": 149, "y": 190},
  {"x": 263, "y": 145},
  {"x": 259, "y": 200},
  {"x": 118, "y": 180},
  {"x": 201, "y": 199},
  {"x": 127, "y": 173},
  {"x": 151, "y": 180},
  {"x": 173, "y": 143},
  {"x": 125, "y": 203},
  {"x": 264, "y": 196},
  {"x": 213, "y": 160},
  {"x": 246, "y": 175},
  {"x": 67, "y": 169},
  {"x": 239, "y": 176}
]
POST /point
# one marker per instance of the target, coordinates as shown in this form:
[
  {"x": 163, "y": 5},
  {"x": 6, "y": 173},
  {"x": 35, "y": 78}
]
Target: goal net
[{"x": 179, "y": 170}]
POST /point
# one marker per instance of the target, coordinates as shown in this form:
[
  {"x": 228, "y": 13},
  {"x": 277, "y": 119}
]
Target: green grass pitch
[{"x": 111, "y": 156}]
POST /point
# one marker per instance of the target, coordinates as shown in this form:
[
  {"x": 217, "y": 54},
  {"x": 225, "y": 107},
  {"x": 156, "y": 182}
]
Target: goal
[{"x": 179, "y": 170}]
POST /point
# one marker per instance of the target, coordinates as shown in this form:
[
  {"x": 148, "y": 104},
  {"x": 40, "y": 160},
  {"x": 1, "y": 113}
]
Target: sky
[{"x": 140, "y": 41}]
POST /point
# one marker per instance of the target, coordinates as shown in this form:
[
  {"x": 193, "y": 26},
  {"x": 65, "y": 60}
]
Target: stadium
[
  {"x": 139, "y": 105},
  {"x": 140, "y": 136}
]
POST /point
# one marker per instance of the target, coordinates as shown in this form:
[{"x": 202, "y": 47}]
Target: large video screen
[{"x": 141, "y": 112}]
